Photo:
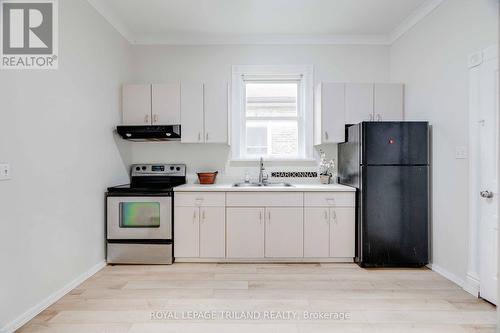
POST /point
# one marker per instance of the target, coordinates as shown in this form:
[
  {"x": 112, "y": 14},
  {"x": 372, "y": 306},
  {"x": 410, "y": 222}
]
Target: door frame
[{"x": 472, "y": 279}]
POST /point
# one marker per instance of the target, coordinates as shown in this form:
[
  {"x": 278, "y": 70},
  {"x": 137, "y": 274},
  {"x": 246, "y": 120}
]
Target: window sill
[{"x": 281, "y": 161}]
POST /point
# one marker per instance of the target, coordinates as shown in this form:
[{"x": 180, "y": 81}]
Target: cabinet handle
[
  {"x": 330, "y": 201},
  {"x": 269, "y": 216},
  {"x": 326, "y": 136},
  {"x": 326, "y": 214},
  {"x": 146, "y": 119},
  {"x": 370, "y": 117},
  {"x": 199, "y": 136},
  {"x": 203, "y": 214},
  {"x": 260, "y": 216},
  {"x": 194, "y": 216},
  {"x": 206, "y": 137},
  {"x": 155, "y": 118},
  {"x": 379, "y": 117},
  {"x": 335, "y": 216}
]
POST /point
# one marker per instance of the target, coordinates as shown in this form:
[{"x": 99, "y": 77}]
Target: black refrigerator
[{"x": 388, "y": 164}]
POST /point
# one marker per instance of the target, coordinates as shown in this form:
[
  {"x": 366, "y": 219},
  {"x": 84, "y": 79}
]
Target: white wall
[
  {"x": 432, "y": 60},
  {"x": 56, "y": 132},
  {"x": 207, "y": 63}
]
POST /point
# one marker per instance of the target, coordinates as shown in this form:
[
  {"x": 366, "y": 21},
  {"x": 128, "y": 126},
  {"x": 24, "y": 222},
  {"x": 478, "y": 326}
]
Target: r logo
[{"x": 27, "y": 28}]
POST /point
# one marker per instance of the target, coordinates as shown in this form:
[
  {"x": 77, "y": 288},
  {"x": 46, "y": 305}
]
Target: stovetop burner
[{"x": 152, "y": 179}]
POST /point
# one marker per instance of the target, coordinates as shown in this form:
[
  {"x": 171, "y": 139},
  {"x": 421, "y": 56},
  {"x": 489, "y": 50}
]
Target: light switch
[
  {"x": 4, "y": 171},
  {"x": 461, "y": 152}
]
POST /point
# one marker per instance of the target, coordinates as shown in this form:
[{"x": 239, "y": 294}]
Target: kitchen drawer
[
  {"x": 200, "y": 199},
  {"x": 260, "y": 199},
  {"x": 333, "y": 199}
]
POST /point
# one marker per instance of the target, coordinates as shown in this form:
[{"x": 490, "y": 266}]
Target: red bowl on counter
[{"x": 207, "y": 178}]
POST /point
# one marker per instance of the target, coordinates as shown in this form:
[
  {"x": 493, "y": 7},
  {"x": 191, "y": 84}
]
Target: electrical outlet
[
  {"x": 461, "y": 152},
  {"x": 4, "y": 171}
]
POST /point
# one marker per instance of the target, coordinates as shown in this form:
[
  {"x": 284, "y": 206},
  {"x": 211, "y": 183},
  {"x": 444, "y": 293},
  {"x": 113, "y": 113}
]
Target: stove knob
[
  {"x": 144, "y": 168},
  {"x": 178, "y": 168},
  {"x": 137, "y": 168},
  {"x": 172, "y": 168}
]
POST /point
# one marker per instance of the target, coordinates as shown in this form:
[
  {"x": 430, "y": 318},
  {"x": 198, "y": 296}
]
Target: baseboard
[
  {"x": 446, "y": 274},
  {"x": 471, "y": 285},
  {"x": 51, "y": 299},
  {"x": 265, "y": 260}
]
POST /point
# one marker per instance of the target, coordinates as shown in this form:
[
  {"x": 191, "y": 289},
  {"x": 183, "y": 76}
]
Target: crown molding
[
  {"x": 413, "y": 19},
  {"x": 103, "y": 8},
  {"x": 267, "y": 39}
]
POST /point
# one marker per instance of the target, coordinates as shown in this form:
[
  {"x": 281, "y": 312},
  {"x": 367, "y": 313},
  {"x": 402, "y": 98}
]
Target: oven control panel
[{"x": 158, "y": 170}]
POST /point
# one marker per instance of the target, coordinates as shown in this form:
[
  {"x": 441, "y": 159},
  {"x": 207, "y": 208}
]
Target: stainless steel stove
[{"x": 139, "y": 216}]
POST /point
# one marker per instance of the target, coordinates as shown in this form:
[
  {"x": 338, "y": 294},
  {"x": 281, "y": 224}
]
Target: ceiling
[{"x": 263, "y": 21}]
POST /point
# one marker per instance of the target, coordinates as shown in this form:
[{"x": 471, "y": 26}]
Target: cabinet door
[
  {"x": 358, "y": 102},
  {"x": 388, "y": 102},
  {"x": 284, "y": 232},
  {"x": 342, "y": 232},
  {"x": 136, "y": 104},
  {"x": 186, "y": 232},
  {"x": 316, "y": 232},
  {"x": 216, "y": 112},
  {"x": 332, "y": 106},
  {"x": 192, "y": 112},
  {"x": 212, "y": 232},
  {"x": 166, "y": 104},
  {"x": 245, "y": 232}
]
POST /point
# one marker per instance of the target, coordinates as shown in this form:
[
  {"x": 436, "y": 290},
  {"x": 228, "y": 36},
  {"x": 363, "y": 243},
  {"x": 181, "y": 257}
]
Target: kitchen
[{"x": 214, "y": 92}]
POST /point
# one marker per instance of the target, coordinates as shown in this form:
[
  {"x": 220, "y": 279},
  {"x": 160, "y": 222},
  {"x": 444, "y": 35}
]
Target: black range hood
[{"x": 150, "y": 133}]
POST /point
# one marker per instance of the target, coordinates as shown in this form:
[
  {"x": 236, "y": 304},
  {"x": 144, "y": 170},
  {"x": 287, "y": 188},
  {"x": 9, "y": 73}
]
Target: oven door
[{"x": 139, "y": 217}]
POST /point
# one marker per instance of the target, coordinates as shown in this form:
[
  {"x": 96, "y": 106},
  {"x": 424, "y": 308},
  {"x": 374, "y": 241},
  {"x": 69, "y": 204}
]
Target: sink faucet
[{"x": 262, "y": 172}]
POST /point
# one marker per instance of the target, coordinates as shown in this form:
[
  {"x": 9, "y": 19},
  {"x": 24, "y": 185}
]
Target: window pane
[
  {"x": 271, "y": 99},
  {"x": 256, "y": 139},
  {"x": 284, "y": 139}
]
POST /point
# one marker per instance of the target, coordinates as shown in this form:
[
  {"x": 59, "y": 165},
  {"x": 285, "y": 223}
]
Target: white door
[
  {"x": 192, "y": 113},
  {"x": 388, "y": 102},
  {"x": 333, "y": 112},
  {"x": 488, "y": 177},
  {"x": 136, "y": 104},
  {"x": 216, "y": 112},
  {"x": 245, "y": 233},
  {"x": 342, "y": 232},
  {"x": 186, "y": 232},
  {"x": 212, "y": 232},
  {"x": 316, "y": 232},
  {"x": 166, "y": 104},
  {"x": 284, "y": 232},
  {"x": 358, "y": 102}
]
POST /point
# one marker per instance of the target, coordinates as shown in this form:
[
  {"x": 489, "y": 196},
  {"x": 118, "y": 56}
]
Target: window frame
[{"x": 303, "y": 75}]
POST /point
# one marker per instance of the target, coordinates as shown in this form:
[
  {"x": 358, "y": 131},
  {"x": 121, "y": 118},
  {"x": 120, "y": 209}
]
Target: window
[{"x": 272, "y": 113}]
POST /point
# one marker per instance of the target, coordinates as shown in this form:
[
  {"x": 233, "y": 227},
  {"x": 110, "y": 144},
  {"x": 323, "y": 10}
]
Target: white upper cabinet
[
  {"x": 329, "y": 113},
  {"x": 216, "y": 112},
  {"x": 192, "y": 113},
  {"x": 388, "y": 104},
  {"x": 136, "y": 104},
  {"x": 166, "y": 104},
  {"x": 358, "y": 102}
]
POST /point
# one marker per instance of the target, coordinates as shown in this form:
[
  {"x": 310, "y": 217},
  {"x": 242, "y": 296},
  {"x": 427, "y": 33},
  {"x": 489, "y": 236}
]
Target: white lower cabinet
[
  {"x": 187, "y": 232},
  {"x": 245, "y": 232},
  {"x": 316, "y": 232},
  {"x": 342, "y": 232},
  {"x": 284, "y": 232},
  {"x": 212, "y": 232},
  {"x": 329, "y": 232},
  {"x": 199, "y": 232},
  {"x": 264, "y": 226}
]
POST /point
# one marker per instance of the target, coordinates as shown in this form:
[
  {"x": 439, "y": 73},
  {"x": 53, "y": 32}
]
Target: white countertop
[{"x": 294, "y": 188}]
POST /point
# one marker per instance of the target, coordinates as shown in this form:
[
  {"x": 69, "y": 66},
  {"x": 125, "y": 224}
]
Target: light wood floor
[{"x": 121, "y": 299}]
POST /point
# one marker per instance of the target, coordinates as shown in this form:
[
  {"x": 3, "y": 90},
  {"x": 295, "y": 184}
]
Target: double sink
[{"x": 267, "y": 184}]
